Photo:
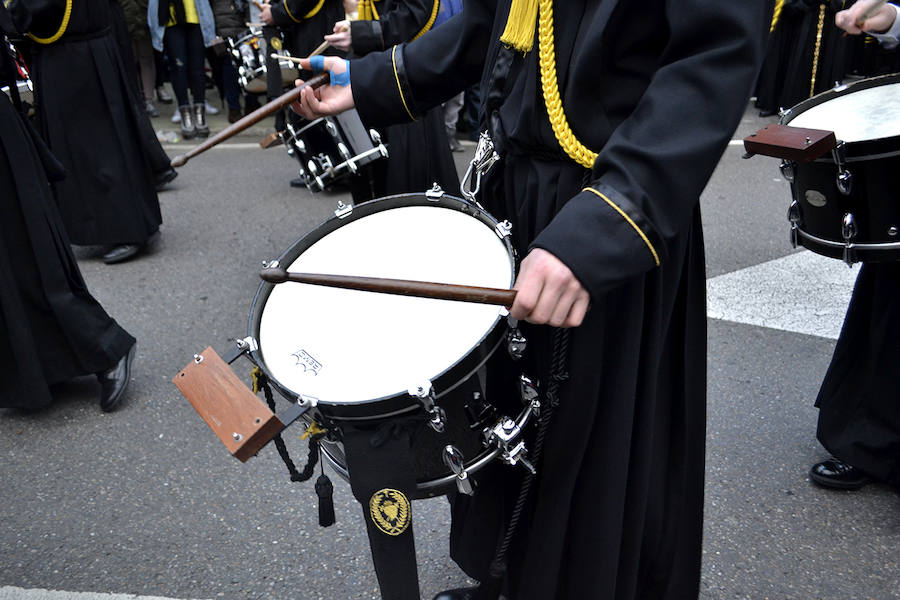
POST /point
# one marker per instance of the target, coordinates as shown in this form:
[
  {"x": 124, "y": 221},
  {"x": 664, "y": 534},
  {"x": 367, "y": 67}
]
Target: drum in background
[
  {"x": 331, "y": 148},
  {"x": 370, "y": 358},
  {"x": 846, "y": 204},
  {"x": 248, "y": 53}
]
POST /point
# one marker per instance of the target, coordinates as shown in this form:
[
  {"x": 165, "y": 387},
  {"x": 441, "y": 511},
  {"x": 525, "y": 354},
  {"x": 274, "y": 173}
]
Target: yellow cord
[
  {"x": 564, "y": 135},
  {"x": 779, "y": 4},
  {"x": 315, "y": 10},
  {"x": 62, "y": 27},
  {"x": 255, "y": 375},
  {"x": 434, "y": 14},
  {"x": 818, "y": 46},
  {"x": 313, "y": 429},
  {"x": 366, "y": 10}
]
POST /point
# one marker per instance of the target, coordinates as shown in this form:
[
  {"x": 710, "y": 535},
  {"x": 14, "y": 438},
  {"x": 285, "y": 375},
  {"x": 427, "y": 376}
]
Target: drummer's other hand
[
  {"x": 327, "y": 99},
  {"x": 853, "y": 20},
  {"x": 341, "y": 39},
  {"x": 265, "y": 14},
  {"x": 548, "y": 293}
]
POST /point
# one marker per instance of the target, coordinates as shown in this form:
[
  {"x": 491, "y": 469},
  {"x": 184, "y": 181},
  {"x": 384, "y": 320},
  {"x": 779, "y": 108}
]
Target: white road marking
[
  {"x": 803, "y": 293},
  {"x": 16, "y": 593}
]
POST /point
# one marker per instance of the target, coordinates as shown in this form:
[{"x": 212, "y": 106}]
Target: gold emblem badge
[
  {"x": 390, "y": 511},
  {"x": 275, "y": 43}
]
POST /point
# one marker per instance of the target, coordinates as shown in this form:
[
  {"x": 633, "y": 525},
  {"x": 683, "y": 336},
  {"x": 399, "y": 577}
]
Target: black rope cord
[
  {"x": 313, "y": 455},
  {"x": 558, "y": 375}
]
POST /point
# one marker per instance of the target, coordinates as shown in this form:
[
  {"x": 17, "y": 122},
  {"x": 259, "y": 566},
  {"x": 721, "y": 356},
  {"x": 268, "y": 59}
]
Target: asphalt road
[{"x": 145, "y": 501}]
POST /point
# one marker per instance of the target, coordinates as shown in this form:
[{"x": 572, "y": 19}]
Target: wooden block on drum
[
  {"x": 790, "y": 143},
  {"x": 232, "y": 411}
]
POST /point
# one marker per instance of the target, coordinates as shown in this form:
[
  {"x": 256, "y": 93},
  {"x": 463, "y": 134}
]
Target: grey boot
[
  {"x": 200, "y": 119},
  {"x": 188, "y": 129}
]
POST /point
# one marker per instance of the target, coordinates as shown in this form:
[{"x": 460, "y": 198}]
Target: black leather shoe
[
  {"x": 114, "y": 381},
  {"x": 122, "y": 253},
  {"x": 161, "y": 179},
  {"x": 457, "y": 594},
  {"x": 297, "y": 182},
  {"x": 838, "y": 475}
]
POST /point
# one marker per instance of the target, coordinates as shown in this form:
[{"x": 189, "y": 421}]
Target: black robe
[
  {"x": 657, "y": 88},
  {"x": 859, "y": 402},
  {"x": 87, "y": 118},
  {"x": 51, "y": 328},
  {"x": 787, "y": 73},
  {"x": 419, "y": 151}
]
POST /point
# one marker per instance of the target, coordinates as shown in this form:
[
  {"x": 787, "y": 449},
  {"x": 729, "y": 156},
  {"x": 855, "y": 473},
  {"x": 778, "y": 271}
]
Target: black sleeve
[
  {"x": 647, "y": 179},
  {"x": 405, "y": 21},
  {"x": 290, "y": 12},
  {"x": 402, "y": 82}
]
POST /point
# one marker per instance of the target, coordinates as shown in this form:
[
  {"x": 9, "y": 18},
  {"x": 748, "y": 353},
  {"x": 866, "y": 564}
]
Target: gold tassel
[
  {"x": 366, "y": 10},
  {"x": 779, "y": 4},
  {"x": 519, "y": 31}
]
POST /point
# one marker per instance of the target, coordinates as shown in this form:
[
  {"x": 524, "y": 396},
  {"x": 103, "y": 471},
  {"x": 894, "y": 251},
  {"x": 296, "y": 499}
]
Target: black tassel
[{"x": 324, "y": 491}]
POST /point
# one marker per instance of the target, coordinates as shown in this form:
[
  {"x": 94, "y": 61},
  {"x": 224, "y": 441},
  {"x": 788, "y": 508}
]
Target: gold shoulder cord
[
  {"x": 815, "y": 64},
  {"x": 366, "y": 10},
  {"x": 567, "y": 140},
  {"x": 434, "y": 13},
  {"x": 62, "y": 27},
  {"x": 779, "y": 4}
]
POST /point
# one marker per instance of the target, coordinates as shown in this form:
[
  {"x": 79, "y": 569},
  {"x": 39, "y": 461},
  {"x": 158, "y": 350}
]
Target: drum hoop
[
  {"x": 850, "y": 246},
  {"x": 401, "y": 402}
]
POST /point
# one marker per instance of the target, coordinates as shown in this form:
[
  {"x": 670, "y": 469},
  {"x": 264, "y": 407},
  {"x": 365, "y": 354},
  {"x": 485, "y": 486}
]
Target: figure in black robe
[
  {"x": 86, "y": 116},
  {"x": 859, "y": 401},
  {"x": 800, "y": 62},
  {"x": 419, "y": 151},
  {"x": 656, "y": 89},
  {"x": 51, "y": 328}
]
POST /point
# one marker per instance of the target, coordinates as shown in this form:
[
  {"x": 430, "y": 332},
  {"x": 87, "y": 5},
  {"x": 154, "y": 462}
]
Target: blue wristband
[{"x": 317, "y": 63}]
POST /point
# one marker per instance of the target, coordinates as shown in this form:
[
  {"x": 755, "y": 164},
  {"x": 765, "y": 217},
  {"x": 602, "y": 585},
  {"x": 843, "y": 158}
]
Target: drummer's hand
[
  {"x": 548, "y": 293},
  {"x": 341, "y": 39},
  {"x": 853, "y": 20},
  {"x": 265, "y": 14},
  {"x": 328, "y": 99}
]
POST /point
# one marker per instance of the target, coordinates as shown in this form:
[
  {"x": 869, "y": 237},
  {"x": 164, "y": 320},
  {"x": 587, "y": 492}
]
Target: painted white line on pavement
[
  {"x": 803, "y": 292},
  {"x": 16, "y": 593}
]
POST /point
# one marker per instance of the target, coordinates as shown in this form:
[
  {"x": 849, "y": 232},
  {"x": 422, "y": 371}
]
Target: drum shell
[{"x": 873, "y": 201}]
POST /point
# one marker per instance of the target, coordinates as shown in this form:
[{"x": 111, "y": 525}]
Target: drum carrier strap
[
  {"x": 324, "y": 488},
  {"x": 491, "y": 588}
]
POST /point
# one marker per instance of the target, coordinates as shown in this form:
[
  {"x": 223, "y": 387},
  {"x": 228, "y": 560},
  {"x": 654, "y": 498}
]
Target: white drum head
[
  {"x": 867, "y": 114},
  {"x": 346, "y": 346}
]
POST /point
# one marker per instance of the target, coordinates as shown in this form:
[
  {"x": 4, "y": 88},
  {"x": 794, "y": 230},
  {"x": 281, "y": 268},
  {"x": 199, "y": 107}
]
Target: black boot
[
  {"x": 200, "y": 119},
  {"x": 457, "y": 594},
  {"x": 188, "y": 129}
]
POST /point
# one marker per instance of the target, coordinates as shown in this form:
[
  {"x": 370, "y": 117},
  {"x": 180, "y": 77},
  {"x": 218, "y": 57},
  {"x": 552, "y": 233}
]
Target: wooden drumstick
[
  {"x": 257, "y": 115},
  {"x": 403, "y": 287}
]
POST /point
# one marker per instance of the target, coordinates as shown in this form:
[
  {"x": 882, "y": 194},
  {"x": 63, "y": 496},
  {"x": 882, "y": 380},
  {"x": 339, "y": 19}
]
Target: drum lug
[
  {"x": 504, "y": 229},
  {"x": 787, "y": 170},
  {"x": 375, "y": 136},
  {"x": 503, "y": 436},
  {"x": 848, "y": 232},
  {"x": 453, "y": 458},
  {"x": 529, "y": 394},
  {"x": 435, "y": 193},
  {"x": 424, "y": 393},
  {"x": 794, "y": 217},
  {"x": 845, "y": 182},
  {"x": 516, "y": 343}
]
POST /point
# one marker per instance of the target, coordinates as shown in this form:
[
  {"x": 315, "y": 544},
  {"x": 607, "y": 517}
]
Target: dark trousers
[{"x": 183, "y": 45}]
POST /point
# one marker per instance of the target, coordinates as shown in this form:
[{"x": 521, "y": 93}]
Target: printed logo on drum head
[
  {"x": 305, "y": 360},
  {"x": 390, "y": 511}
]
